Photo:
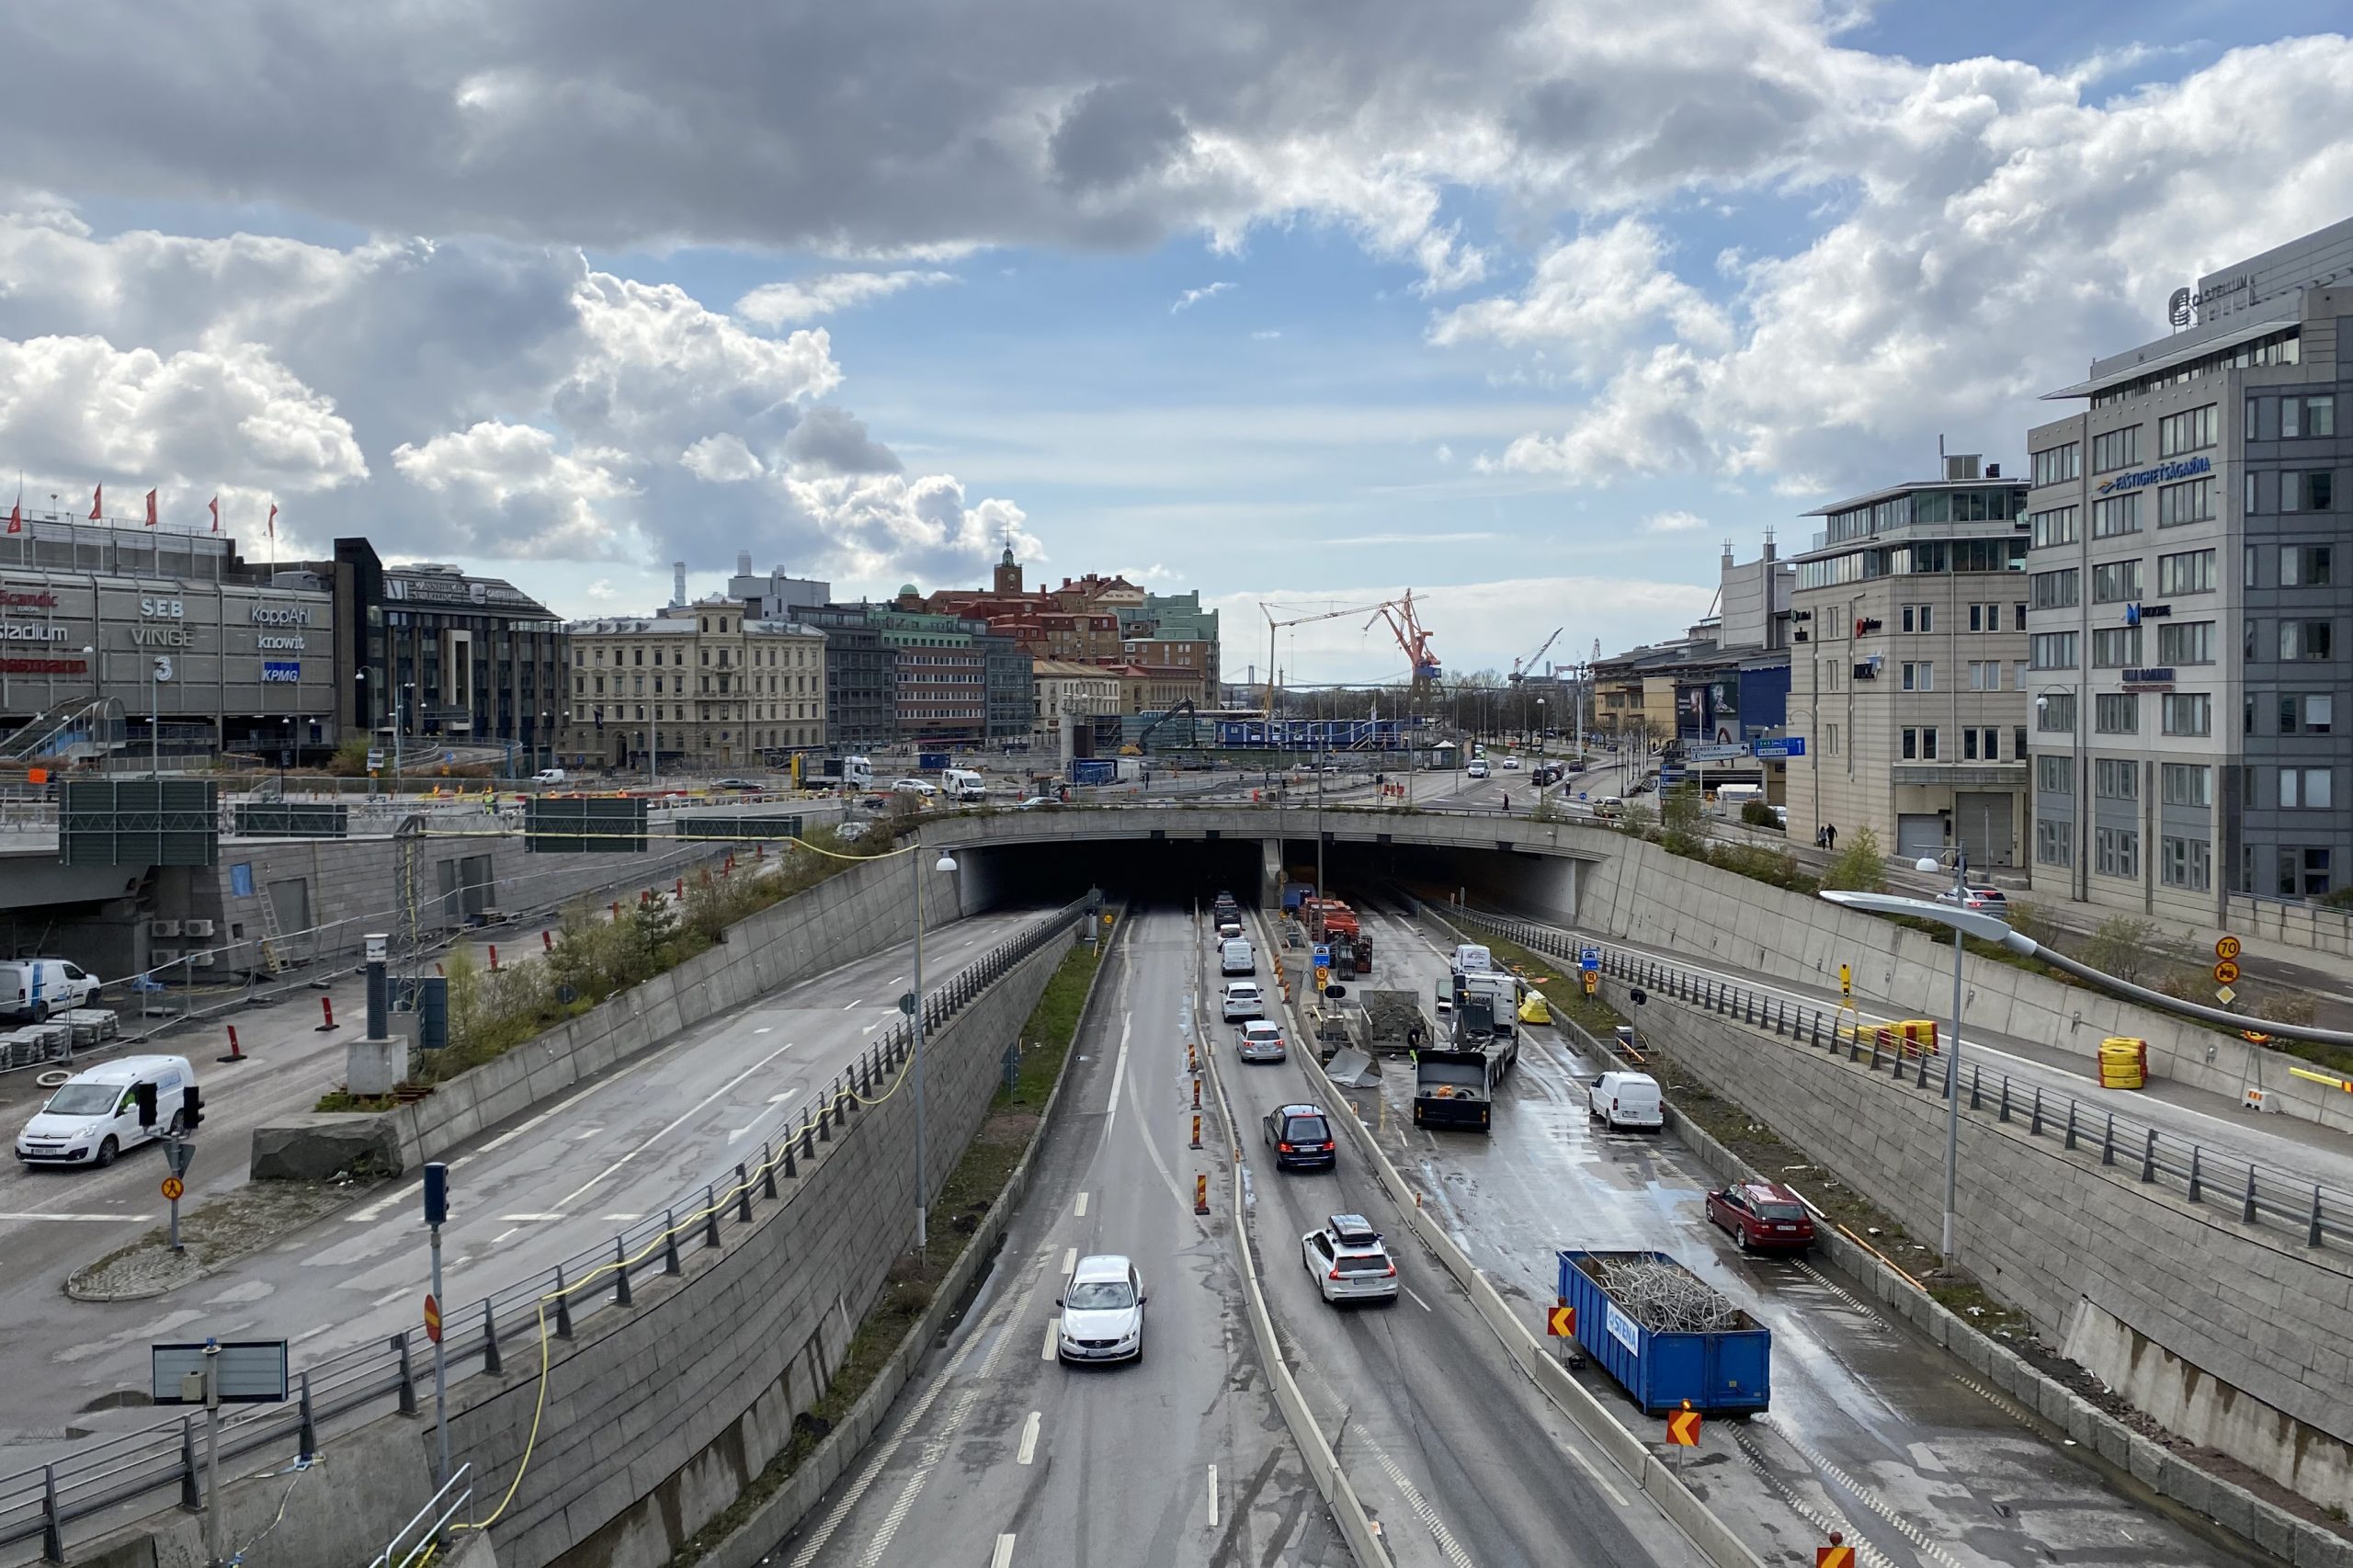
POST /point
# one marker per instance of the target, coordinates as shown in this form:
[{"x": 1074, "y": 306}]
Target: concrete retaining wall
[{"x": 2050, "y": 1231}]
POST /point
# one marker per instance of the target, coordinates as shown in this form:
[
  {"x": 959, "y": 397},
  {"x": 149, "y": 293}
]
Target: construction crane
[
  {"x": 1407, "y": 628},
  {"x": 1273, "y": 626},
  {"x": 1520, "y": 666}
]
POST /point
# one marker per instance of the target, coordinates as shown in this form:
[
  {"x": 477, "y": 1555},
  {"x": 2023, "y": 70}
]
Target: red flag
[
  {"x": 17, "y": 518},
  {"x": 214, "y": 506},
  {"x": 151, "y": 508},
  {"x": 97, "y": 500},
  {"x": 273, "y": 520}
]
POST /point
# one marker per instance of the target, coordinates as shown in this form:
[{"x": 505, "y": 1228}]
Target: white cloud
[
  {"x": 1266, "y": 334},
  {"x": 879, "y": 525},
  {"x": 721, "y": 459},
  {"x": 805, "y": 299},
  {"x": 1191, "y": 297},
  {"x": 1673, "y": 523},
  {"x": 1589, "y": 297},
  {"x": 559, "y": 500},
  {"x": 1445, "y": 453}
]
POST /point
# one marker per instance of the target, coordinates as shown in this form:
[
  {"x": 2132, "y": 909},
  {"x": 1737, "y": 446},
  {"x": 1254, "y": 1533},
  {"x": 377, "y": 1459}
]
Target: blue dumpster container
[{"x": 1725, "y": 1371}]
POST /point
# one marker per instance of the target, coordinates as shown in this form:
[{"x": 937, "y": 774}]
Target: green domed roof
[{"x": 907, "y": 591}]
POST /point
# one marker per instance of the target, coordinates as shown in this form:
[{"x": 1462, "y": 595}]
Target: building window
[
  {"x": 2307, "y": 416},
  {"x": 2115, "y": 580},
  {"x": 2191, "y": 572},
  {"x": 2116, "y": 647},
  {"x": 1919, "y": 676},
  {"x": 2187, "y": 863},
  {"x": 2054, "y": 845},
  {"x": 2115, "y": 515},
  {"x": 2305, "y": 789},
  {"x": 2190, "y": 503},
  {"x": 2053, "y": 590},
  {"x": 2303, "y": 873},
  {"x": 2056, "y": 465},
  {"x": 1984, "y": 675},
  {"x": 2304, "y": 641},
  {"x": 2307, "y": 490},
  {"x": 2116, "y": 851},
  {"x": 2306, "y": 713},
  {"x": 2054, "y": 776},
  {"x": 1919, "y": 618},
  {"x": 2054, "y": 712},
  {"x": 2060, "y": 524},
  {"x": 2186, "y": 784},
  {"x": 2052, "y": 649},
  {"x": 2303, "y": 566},
  {"x": 2117, "y": 448},
  {"x": 2186, "y": 642},
  {"x": 2116, "y": 713},
  {"x": 2115, "y": 778},
  {"x": 2189, "y": 713},
  {"x": 2191, "y": 430}
]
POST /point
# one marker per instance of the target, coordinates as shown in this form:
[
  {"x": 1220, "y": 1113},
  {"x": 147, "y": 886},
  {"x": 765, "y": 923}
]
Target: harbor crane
[{"x": 1519, "y": 667}]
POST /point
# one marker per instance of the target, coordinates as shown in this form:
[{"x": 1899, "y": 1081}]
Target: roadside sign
[
  {"x": 1833, "y": 1557},
  {"x": 1683, "y": 1428},
  {"x": 2225, "y": 995},
  {"x": 1560, "y": 1322},
  {"x": 1782, "y": 747},
  {"x": 1592, "y": 981},
  {"x": 173, "y": 1187},
  {"x": 179, "y": 1154},
  {"x": 1323, "y": 978},
  {"x": 907, "y": 1002},
  {"x": 2226, "y": 972},
  {"x": 432, "y": 1319},
  {"x": 1714, "y": 753},
  {"x": 1845, "y": 980},
  {"x": 1322, "y": 956},
  {"x": 248, "y": 1371},
  {"x": 1589, "y": 958},
  {"x": 2226, "y": 948}
]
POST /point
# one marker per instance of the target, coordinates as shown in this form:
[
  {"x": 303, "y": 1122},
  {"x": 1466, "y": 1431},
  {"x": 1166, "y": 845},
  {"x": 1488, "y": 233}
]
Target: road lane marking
[
  {"x": 1118, "y": 1071},
  {"x": 1212, "y": 1497},
  {"x": 1070, "y": 1261},
  {"x": 1593, "y": 1473},
  {"x": 1028, "y": 1449},
  {"x": 1080, "y": 1213},
  {"x": 622, "y": 1219},
  {"x": 92, "y": 1219},
  {"x": 1048, "y": 1354},
  {"x": 683, "y": 1118},
  {"x": 504, "y": 1234},
  {"x": 1003, "y": 1556},
  {"x": 847, "y": 1005},
  {"x": 390, "y": 1297},
  {"x": 1417, "y": 1299},
  {"x": 528, "y": 1219}
]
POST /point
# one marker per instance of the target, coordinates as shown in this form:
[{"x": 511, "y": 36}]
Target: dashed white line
[
  {"x": 1212, "y": 1497},
  {"x": 1865, "y": 1496},
  {"x": 1048, "y": 1353},
  {"x": 89, "y": 1219},
  {"x": 1079, "y": 1213},
  {"x": 682, "y": 1119},
  {"x": 528, "y": 1219},
  {"x": 1417, "y": 1299},
  {"x": 1003, "y": 1556},
  {"x": 504, "y": 1234},
  {"x": 1070, "y": 1261},
  {"x": 1028, "y": 1449}
]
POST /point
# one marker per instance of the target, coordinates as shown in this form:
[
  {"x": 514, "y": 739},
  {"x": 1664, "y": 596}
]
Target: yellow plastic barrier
[{"x": 2123, "y": 1062}]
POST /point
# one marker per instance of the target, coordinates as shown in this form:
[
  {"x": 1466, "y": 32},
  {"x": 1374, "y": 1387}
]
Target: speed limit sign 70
[{"x": 2226, "y": 949}]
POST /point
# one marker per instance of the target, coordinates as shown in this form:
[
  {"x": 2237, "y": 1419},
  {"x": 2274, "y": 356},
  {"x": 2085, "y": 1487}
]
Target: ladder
[{"x": 270, "y": 933}]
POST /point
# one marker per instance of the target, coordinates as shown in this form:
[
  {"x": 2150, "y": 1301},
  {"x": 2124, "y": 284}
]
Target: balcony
[{"x": 1960, "y": 775}]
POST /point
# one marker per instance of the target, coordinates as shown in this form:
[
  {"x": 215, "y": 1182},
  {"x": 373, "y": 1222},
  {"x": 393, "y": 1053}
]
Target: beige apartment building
[
  {"x": 1067, "y": 690},
  {"x": 1908, "y": 669},
  {"x": 700, "y": 686}
]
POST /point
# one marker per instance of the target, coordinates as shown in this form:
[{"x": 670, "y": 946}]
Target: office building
[
  {"x": 464, "y": 666},
  {"x": 862, "y": 689},
  {"x": 778, "y": 595},
  {"x": 2189, "y": 624},
  {"x": 701, "y": 686},
  {"x": 1908, "y": 642}
]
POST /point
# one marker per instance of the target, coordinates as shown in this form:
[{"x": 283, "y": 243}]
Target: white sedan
[{"x": 913, "y": 787}]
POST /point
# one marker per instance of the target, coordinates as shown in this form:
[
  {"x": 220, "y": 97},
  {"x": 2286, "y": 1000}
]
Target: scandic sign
[
  {"x": 21, "y": 598},
  {"x": 2189, "y": 468}
]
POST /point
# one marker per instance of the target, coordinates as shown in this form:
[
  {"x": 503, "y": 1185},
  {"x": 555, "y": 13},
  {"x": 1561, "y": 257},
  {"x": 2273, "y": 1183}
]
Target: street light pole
[
  {"x": 915, "y": 1014},
  {"x": 1952, "y": 1057}
]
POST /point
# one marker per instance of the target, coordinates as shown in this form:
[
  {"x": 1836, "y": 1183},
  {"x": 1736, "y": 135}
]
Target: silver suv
[{"x": 1349, "y": 1261}]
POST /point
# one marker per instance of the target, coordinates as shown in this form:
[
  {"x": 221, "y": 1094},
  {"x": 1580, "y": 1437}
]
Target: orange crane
[{"x": 1407, "y": 628}]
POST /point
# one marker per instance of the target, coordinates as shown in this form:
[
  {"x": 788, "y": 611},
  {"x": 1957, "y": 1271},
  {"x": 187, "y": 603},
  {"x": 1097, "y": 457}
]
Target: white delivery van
[
  {"x": 1471, "y": 958},
  {"x": 550, "y": 775},
  {"x": 962, "y": 784},
  {"x": 94, "y": 1116},
  {"x": 1732, "y": 797},
  {"x": 1626, "y": 1100},
  {"x": 31, "y": 989},
  {"x": 1478, "y": 768},
  {"x": 1234, "y": 956}
]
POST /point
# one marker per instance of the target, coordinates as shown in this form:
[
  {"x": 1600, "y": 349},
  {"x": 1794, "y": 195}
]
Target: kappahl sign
[{"x": 281, "y": 615}]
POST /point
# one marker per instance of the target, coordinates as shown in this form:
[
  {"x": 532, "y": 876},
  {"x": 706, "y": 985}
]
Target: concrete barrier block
[{"x": 318, "y": 1146}]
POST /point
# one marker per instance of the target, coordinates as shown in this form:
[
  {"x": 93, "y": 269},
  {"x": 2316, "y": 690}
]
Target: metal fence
[
  {"x": 42, "y": 1503},
  {"x": 2292, "y": 1204}
]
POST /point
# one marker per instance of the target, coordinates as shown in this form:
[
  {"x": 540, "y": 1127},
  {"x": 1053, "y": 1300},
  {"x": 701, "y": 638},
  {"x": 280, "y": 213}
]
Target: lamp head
[
  {"x": 1924, "y": 863},
  {"x": 946, "y": 862}
]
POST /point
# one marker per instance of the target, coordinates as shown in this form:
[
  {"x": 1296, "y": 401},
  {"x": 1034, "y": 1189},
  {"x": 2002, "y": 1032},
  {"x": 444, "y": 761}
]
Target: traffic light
[
  {"x": 192, "y": 1108},
  {"x": 144, "y": 1094}
]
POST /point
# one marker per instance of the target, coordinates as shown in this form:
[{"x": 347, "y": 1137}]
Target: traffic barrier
[
  {"x": 1196, "y": 1133},
  {"x": 236, "y": 1051},
  {"x": 327, "y": 1016},
  {"x": 1200, "y": 1195},
  {"x": 547, "y": 941},
  {"x": 494, "y": 957}
]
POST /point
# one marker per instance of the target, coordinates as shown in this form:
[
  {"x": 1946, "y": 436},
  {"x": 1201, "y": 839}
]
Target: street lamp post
[
  {"x": 1952, "y": 1057},
  {"x": 946, "y": 862}
]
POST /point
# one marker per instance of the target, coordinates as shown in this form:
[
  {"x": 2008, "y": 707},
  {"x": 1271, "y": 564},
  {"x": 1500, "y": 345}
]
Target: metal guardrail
[
  {"x": 418, "y": 1541},
  {"x": 2321, "y": 1217},
  {"x": 40, "y": 1503}
]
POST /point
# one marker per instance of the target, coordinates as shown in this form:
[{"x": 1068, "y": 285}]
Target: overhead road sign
[
  {"x": 1780, "y": 748},
  {"x": 1714, "y": 753}
]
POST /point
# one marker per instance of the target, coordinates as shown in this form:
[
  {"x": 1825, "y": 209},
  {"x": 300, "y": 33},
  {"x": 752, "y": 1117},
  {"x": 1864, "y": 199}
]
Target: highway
[
  {"x": 528, "y": 1195},
  {"x": 1873, "y": 1429},
  {"x": 998, "y": 1454},
  {"x": 1458, "y": 1455}
]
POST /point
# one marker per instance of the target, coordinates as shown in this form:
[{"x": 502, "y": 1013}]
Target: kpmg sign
[
  {"x": 2163, "y": 473},
  {"x": 281, "y": 672}
]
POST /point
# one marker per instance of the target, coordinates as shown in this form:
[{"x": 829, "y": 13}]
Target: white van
[
  {"x": 1471, "y": 958},
  {"x": 31, "y": 989},
  {"x": 962, "y": 784},
  {"x": 1626, "y": 1100},
  {"x": 94, "y": 1116},
  {"x": 1234, "y": 956},
  {"x": 1478, "y": 768},
  {"x": 550, "y": 775}
]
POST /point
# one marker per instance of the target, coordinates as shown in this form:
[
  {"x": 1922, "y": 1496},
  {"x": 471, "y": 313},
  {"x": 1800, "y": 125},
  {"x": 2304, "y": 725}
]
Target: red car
[{"x": 1762, "y": 1214}]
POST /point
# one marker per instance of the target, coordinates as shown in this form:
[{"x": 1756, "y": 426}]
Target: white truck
[
  {"x": 962, "y": 784},
  {"x": 857, "y": 775}
]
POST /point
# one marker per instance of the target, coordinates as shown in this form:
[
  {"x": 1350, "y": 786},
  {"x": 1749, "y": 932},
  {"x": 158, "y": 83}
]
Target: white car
[
  {"x": 94, "y": 1116},
  {"x": 1477, "y": 769},
  {"x": 849, "y": 832},
  {"x": 1625, "y": 1099},
  {"x": 1241, "y": 1001},
  {"x": 913, "y": 787},
  {"x": 1102, "y": 1311},
  {"x": 1031, "y": 802},
  {"x": 1260, "y": 1040},
  {"x": 1347, "y": 1261},
  {"x": 31, "y": 989},
  {"x": 1511, "y": 764},
  {"x": 550, "y": 776}
]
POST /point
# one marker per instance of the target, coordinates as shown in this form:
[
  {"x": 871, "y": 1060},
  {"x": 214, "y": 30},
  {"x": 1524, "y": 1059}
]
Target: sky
[{"x": 1528, "y": 306}]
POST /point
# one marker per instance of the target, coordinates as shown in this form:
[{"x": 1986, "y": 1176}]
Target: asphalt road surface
[
  {"x": 1873, "y": 1429},
  {"x": 998, "y": 1454},
  {"x": 524, "y": 1198}
]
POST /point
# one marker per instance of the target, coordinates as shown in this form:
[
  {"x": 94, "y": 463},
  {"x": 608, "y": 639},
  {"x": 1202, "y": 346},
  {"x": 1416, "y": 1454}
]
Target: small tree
[
  {"x": 1679, "y": 818},
  {"x": 2125, "y": 946},
  {"x": 1637, "y": 819},
  {"x": 1756, "y": 813},
  {"x": 1857, "y": 867}
]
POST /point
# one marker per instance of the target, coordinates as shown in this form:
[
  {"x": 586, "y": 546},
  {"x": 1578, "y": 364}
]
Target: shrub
[
  {"x": 1680, "y": 821},
  {"x": 2342, "y": 898},
  {"x": 2125, "y": 946},
  {"x": 1637, "y": 819},
  {"x": 1756, "y": 813},
  {"x": 1857, "y": 867},
  {"x": 2289, "y": 1007},
  {"x": 351, "y": 759},
  {"x": 1758, "y": 863}
]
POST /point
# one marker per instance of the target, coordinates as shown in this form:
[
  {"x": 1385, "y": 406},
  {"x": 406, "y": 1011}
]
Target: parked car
[
  {"x": 1102, "y": 1306},
  {"x": 1260, "y": 1040},
  {"x": 1031, "y": 802},
  {"x": 31, "y": 989},
  {"x": 915, "y": 787},
  {"x": 1242, "y": 1000},
  {"x": 1763, "y": 1214},
  {"x": 1300, "y": 1136},
  {"x": 1626, "y": 1100},
  {"x": 736, "y": 784},
  {"x": 550, "y": 775},
  {"x": 1989, "y": 901},
  {"x": 1347, "y": 1262},
  {"x": 94, "y": 1116}
]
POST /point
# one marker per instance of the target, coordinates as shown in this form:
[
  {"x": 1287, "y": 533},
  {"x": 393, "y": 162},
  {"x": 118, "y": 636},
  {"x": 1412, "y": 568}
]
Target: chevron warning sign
[
  {"x": 1560, "y": 1322},
  {"x": 1683, "y": 1427},
  {"x": 1833, "y": 1556}
]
